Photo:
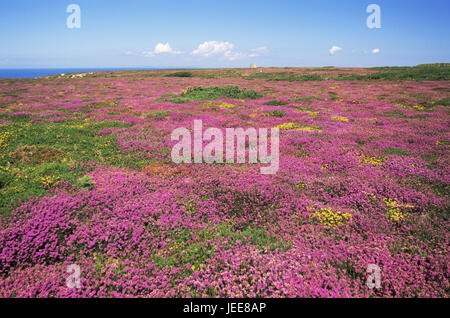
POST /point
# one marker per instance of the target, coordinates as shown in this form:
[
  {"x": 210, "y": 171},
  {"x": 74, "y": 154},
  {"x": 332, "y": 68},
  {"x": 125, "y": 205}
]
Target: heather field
[{"x": 86, "y": 178}]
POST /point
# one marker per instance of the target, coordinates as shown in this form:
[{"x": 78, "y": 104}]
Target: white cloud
[
  {"x": 261, "y": 50},
  {"x": 334, "y": 49},
  {"x": 258, "y": 51},
  {"x": 164, "y": 48},
  {"x": 224, "y": 50},
  {"x": 211, "y": 48},
  {"x": 234, "y": 55},
  {"x": 148, "y": 53},
  {"x": 375, "y": 51},
  {"x": 161, "y": 48}
]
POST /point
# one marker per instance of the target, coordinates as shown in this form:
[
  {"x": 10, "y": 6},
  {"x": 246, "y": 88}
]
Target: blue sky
[{"x": 210, "y": 33}]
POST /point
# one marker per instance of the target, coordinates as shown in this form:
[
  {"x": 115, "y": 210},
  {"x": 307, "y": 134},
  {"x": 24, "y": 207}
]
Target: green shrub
[
  {"x": 276, "y": 103},
  {"x": 180, "y": 74},
  {"x": 444, "y": 101},
  {"x": 285, "y": 76},
  {"x": 306, "y": 99},
  {"x": 158, "y": 114},
  {"x": 85, "y": 182},
  {"x": 214, "y": 92},
  {"x": 395, "y": 151},
  {"x": 276, "y": 113}
]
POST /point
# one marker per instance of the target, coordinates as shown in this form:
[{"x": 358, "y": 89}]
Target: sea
[{"x": 39, "y": 72}]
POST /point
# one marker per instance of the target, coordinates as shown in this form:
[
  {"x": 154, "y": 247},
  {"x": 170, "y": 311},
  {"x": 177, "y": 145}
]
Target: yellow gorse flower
[
  {"x": 226, "y": 105},
  {"x": 190, "y": 208},
  {"x": 220, "y": 105},
  {"x": 328, "y": 217},
  {"x": 170, "y": 248},
  {"x": 374, "y": 161},
  {"x": 49, "y": 181},
  {"x": 5, "y": 137},
  {"x": 370, "y": 195},
  {"x": 297, "y": 126},
  {"x": 396, "y": 210},
  {"x": 419, "y": 107},
  {"x": 340, "y": 118},
  {"x": 78, "y": 126}
]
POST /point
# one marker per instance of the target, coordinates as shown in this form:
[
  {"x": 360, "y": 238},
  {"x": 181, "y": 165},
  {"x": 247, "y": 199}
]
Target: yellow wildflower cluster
[
  {"x": 395, "y": 210},
  {"x": 78, "y": 126},
  {"x": 419, "y": 107},
  {"x": 4, "y": 139},
  {"x": 302, "y": 185},
  {"x": 370, "y": 195},
  {"x": 190, "y": 208},
  {"x": 374, "y": 161},
  {"x": 307, "y": 110},
  {"x": 340, "y": 118},
  {"x": 49, "y": 181},
  {"x": 328, "y": 217},
  {"x": 220, "y": 105},
  {"x": 297, "y": 126},
  {"x": 226, "y": 105},
  {"x": 171, "y": 247}
]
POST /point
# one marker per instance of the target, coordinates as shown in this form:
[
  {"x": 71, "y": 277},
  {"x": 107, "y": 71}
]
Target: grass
[
  {"x": 443, "y": 102},
  {"x": 214, "y": 92},
  {"x": 35, "y": 156},
  {"x": 333, "y": 96},
  {"x": 307, "y": 99},
  {"x": 403, "y": 115},
  {"x": 276, "y": 103},
  {"x": 158, "y": 114},
  {"x": 196, "y": 253},
  {"x": 85, "y": 182},
  {"x": 395, "y": 151}
]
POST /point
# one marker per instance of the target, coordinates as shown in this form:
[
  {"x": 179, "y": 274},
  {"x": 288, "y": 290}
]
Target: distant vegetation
[
  {"x": 430, "y": 72},
  {"x": 285, "y": 76},
  {"x": 180, "y": 74}
]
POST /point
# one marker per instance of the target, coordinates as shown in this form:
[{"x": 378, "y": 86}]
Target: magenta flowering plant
[{"x": 363, "y": 179}]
